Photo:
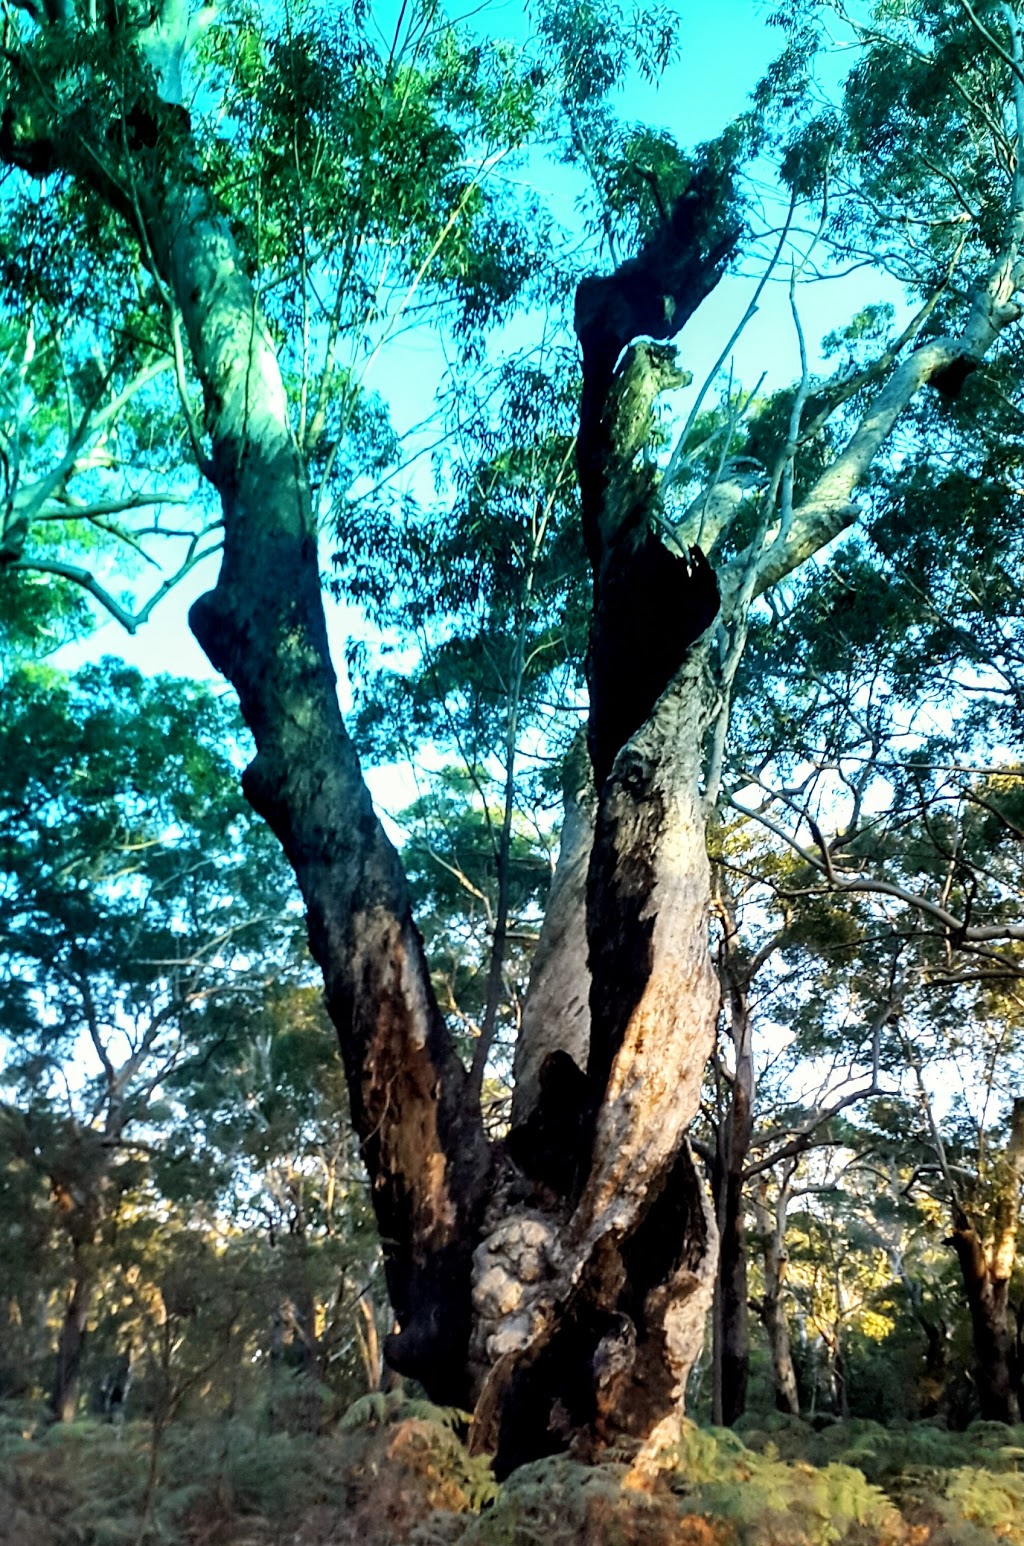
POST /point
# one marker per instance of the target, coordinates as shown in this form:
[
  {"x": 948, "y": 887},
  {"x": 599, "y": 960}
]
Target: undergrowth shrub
[
  {"x": 881, "y": 1452},
  {"x": 965, "y": 1488},
  {"x": 561, "y": 1502},
  {"x": 771, "y": 1502},
  {"x": 396, "y": 1471}
]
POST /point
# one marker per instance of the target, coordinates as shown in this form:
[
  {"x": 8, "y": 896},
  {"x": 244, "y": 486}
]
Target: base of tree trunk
[{"x": 606, "y": 1347}]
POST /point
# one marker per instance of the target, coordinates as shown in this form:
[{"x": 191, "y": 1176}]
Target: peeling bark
[{"x": 614, "y": 1336}]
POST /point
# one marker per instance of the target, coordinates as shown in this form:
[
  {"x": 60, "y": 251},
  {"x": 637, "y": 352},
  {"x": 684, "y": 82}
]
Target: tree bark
[
  {"x": 771, "y": 1223},
  {"x": 71, "y": 1343},
  {"x": 986, "y": 1273},
  {"x": 731, "y": 1332},
  {"x": 570, "y": 1294},
  {"x": 597, "y": 1333},
  {"x": 556, "y": 1015},
  {"x": 80, "y": 1192},
  {"x": 573, "y": 1292},
  {"x": 993, "y": 1335},
  {"x": 263, "y": 627}
]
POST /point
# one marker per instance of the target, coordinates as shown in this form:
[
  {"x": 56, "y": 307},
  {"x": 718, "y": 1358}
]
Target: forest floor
[{"x": 396, "y": 1472}]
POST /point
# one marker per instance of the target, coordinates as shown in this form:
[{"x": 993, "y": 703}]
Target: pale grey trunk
[
  {"x": 556, "y": 1015},
  {"x": 771, "y": 1224}
]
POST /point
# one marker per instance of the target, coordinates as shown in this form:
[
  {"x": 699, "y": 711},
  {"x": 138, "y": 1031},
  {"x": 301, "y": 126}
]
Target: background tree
[{"x": 134, "y": 893}]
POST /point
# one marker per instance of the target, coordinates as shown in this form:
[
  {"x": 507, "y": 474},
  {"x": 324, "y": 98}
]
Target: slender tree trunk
[
  {"x": 499, "y": 938},
  {"x": 776, "y": 1324},
  {"x": 301, "y": 1291},
  {"x": 71, "y": 1342},
  {"x": 731, "y": 1348},
  {"x": 836, "y": 1345},
  {"x": 367, "y": 1340},
  {"x": 732, "y": 1342},
  {"x": 771, "y": 1223},
  {"x": 837, "y": 1391}
]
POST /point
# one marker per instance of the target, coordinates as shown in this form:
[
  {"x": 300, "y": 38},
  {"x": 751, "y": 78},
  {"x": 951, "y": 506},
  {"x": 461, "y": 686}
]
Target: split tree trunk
[
  {"x": 610, "y": 1326},
  {"x": 610, "y": 1341},
  {"x": 591, "y": 1298}
]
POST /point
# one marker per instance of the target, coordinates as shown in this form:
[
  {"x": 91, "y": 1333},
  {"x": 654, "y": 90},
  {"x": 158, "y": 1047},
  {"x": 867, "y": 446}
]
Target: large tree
[{"x": 564, "y": 1298}]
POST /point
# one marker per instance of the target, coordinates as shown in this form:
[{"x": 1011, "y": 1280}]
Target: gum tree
[{"x": 563, "y": 1299}]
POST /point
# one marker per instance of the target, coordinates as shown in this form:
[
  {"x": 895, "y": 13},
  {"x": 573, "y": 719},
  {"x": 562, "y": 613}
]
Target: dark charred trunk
[
  {"x": 731, "y": 1353},
  {"x": 608, "y": 1354},
  {"x": 986, "y": 1274},
  {"x": 607, "y": 1368}
]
